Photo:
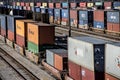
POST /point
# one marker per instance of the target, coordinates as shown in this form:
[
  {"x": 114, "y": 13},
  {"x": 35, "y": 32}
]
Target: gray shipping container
[
  {"x": 113, "y": 16},
  {"x": 87, "y": 52},
  {"x": 3, "y": 21},
  {"x": 50, "y": 55},
  {"x": 11, "y": 22},
  {"x": 112, "y": 59}
]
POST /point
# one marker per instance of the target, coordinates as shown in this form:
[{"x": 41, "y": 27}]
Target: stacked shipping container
[
  {"x": 57, "y": 16},
  {"x": 100, "y": 19},
  {"x": 113, "y": 21},
  {"x": 36, "y": 38}
]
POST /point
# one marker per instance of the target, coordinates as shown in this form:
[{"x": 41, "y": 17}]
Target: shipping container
[
  {"x": 83, "y": 4},
  {"x": 3, "y": 32},
  {"x": 51, "y": 5},
  {"x": 57, "y": 16},
  {"x": 44, "y": 10},
  {"x": 27, "y": 4},
  {"x": 112, "y": 59},
  {"x": 113, "y": 27},
  {"x": 36, "y": 30},
  {"x": 99, "y": 25},
  {"x": 87, "y": 74},
  {"x": 31, "y": 4},
  {"x": 65, "y": 15},
  {"x": 22, "y": 4},
  {"x": 33, "y": 47},
  {"x": 20, "y": 40},
  {"x": 85, "y": 19},
  {"x": 107, "y": 5},
  {"x": 99, "y": 5},
  {"x": 74, "y": 18},
  {"x": 61, "y": 60},
  {"x": 74, "y": 70},
  {"x": 57, "y": 5},
  {"x": 88, "y": 52},
  {"x": 18, "y": 3},
  {"x": 73, "y": 5},
  {"x": 51, "y": 15},
  {"x": 90, "y": 4},
  {"x": 28, "y": 8},
  {"x": 109, "y": 77},
  {"x": 116, "y": 5},
  {"x": 101, "y": 17},
  {"x": 65, "y": 5},
  {"x": 113, "y": 16},
  {"x": 38, "y": 4},
  {"x": 45, "y": 5}
]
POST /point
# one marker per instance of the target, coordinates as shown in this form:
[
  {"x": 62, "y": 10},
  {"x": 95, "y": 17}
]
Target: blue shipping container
[
  {"x": 33, "y": 9},
  {"x": 3, "y": 19},
  {"x": 116, "y": 5},
  {"x": 20, "y": 8},
  {"x": 11, "y": 22},
  {"x": 99, "y": 25},
  {"x": 44, "y": 10},
  {"x": 83, "y": 15},
  {"x": 113, "y": 17},
  {"x": 83, "y": 22},
  {"x": 51, "y": 12},
  {"x": 57, "y": 12},
  {"x": 17, "y": 7},
  {"x": 37, "y": 9},
  {"x": 65, "y": 13},
  {"x": 65, "y": 5}
]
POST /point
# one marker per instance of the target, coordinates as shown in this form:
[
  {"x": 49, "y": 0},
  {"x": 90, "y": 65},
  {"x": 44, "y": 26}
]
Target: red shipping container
[
  {"x": 116, "y": 27},
  {"x": 75, "y": 71},
  {"x": 99, "y": 15},
  {"x": 11, "y": 35},
  {"x": 109, "y": 77},
  {"x": 58, "y": 5},
  {"x": 3, "y": 32},
  {"x": 113, "y": 27},
  {"x": 109, "y": 26},
  {"x": 20, "y": 40},
  {"x": 27, "y": 4},
  {"x": 64, "y": 21},
  {"x": 51, "y": 5},
  {"x": 29, "y": 8},
  {"x": 87, "y": 74},
  {"x": 14, "y": 3},
  {"x": 73, "y": 14},
  {"x": 38, "y": 4},
  {"x": 83, "y": 4},
  {"x": 22, "y": 4},
  {"x": 107, "y": 5},
  {"x": 73, "y": 5}
]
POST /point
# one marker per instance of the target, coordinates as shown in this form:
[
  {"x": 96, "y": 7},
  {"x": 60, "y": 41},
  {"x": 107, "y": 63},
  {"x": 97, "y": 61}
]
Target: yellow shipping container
[
  {"x": 18, "y": 3},
  {"x": 32, "y": 4},
  {"x": 21, "y": 27},
  {"x": 41, "y": 33},
  {"x": 44, "y": 4},
  {"x": 90, "y": 4}
]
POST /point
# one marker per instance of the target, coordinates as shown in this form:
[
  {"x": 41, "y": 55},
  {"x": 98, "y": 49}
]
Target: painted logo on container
[{"x": 31, "y": 32}]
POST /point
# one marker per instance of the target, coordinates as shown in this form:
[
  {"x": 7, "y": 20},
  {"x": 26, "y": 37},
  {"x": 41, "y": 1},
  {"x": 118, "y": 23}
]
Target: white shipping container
[
  {"x": 112, "y": 59},
  {"x": 81, "y": 50}
]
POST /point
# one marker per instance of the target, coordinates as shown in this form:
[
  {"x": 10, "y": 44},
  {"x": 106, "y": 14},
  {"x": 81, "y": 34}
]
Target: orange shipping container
[
  {"x": 21, "y": 27},
  {"x": 61, "y": 60},
  {"x": 41, "y": 33}
]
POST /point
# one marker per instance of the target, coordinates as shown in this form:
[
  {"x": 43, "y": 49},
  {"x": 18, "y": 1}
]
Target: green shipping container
[{"x": 33, "y": 47}]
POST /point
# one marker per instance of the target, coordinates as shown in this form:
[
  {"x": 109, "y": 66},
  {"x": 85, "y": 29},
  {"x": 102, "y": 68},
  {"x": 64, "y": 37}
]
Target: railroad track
[
  {"x": 81, "y": 32},
  {"x": 23, "y": 73}
]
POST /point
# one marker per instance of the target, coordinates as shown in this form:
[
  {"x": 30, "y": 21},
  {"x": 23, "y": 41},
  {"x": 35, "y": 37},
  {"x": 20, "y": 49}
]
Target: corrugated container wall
[
  {"x": 73, "y": 5},
  {"x": 112, "y": 58},
  {"x": 57, "y": 16},
  {"x": 65, "y": 15},
  {"x": 74, "y": 18},
  {"x": 51, "y": 5},
  {"x": 74, "y": 70}
]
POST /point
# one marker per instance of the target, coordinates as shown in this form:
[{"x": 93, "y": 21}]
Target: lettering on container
[
  {"x": 83, "y": 15},
  {"x": 83, "y": 73},
  {"x": 98, "y": 26},
  {"x": 79, "y": 52},
  {"x": 31, "y": 32},
  {"x": 18, "y": 27},
  {"x": 113, "y": 17}
]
